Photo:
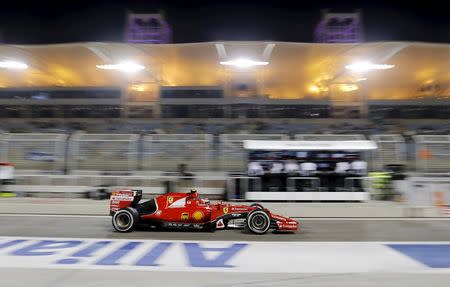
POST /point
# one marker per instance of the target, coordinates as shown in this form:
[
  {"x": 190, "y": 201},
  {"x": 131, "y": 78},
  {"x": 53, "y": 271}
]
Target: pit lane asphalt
[{"x": 310, "y": 230}]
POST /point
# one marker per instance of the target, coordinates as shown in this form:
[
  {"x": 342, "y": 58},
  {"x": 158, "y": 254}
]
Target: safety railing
[
  {"x": 432, "y": 153},
  {"x": 391, "y": 149},
  {"x": 34, "y": 151},
  {"x": 105, "y": 152},
  {"x": 164, "y": 152}
]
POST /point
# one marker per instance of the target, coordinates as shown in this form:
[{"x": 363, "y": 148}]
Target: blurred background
[
  {"x": 319, "y": 110},
  {"x": 145, "y": 111}
]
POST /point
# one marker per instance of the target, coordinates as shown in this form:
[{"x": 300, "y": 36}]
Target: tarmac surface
[
  {"x": 372, "y": 229},
  {"x": 318, "y": 230},
  {"x": 94, "y": 278}
]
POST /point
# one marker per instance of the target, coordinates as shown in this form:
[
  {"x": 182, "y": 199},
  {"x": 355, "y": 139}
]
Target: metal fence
[
  {"x": 391, "y": 149},
  {"x": 200, "y": 152},
  {"x": 34, "y": 151},
  {"x": 104, "y": 152},
  {"x": 164, "y": 152},
  {"x": 232, "y": 154},
  {"x": 432, "y": 153}
]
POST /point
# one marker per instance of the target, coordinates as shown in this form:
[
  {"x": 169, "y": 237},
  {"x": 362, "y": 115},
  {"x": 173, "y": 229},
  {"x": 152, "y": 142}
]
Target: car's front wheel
[
  {"x": 258, "y": 221},
  {"x": 125, "y": 220}
]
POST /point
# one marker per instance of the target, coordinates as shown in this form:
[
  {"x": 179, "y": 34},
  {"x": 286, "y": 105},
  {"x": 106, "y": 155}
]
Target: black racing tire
[
  {"x": 125, "y": 220},
  {"x": 257, "y": 205},
  {"x": 258, "y": 221},
  {"x": 209, "y": 227}
]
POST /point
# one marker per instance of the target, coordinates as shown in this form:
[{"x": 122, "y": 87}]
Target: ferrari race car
[{"x": 188, "y": 211}]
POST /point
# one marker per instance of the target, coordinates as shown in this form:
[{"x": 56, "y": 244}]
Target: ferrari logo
[
  {"x": 169, "y": 200},
  {"x": 185, "y": 216},
  {"x": 225, "y": 210},
  {"x": 198, "y": 215}
]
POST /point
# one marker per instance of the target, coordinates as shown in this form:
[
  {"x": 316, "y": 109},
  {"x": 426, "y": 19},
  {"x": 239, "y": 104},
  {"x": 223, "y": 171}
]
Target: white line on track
[{"x": 297, "y": 218}]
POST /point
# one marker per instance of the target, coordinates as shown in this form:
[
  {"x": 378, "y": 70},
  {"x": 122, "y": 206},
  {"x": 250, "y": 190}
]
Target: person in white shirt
[
  {"x": 308, "y": 168},
  {"x": 359, "y": 167},
  {"x": 342, "y": 167},
  {"x": 255, "y": 169},
  {"x": 277, "y": 167},
  {"x": 291, "y": 167}
]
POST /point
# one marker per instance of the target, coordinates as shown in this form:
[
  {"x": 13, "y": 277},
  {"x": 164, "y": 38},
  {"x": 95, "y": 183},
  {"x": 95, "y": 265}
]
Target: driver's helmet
[{"x": 193, "y": 190}]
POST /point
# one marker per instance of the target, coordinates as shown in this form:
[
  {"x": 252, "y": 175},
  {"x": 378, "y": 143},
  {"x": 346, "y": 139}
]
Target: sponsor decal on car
[
  {"x": 183, "y": 225},
  {"x": 219, "y": 224},
  {"x": 169, "y": 200},
  {"x": 122, "y": 197},
  {"x": 239, "y": 208},
  {"x": 185, "y": 216},
  {"x": 225, "y": 210},
  {"x": 197, "y": 215}
]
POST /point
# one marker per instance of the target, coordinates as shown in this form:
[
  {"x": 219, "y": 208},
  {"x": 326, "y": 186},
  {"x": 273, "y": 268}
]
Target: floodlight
[
  {"x": 243, "y": 63},
  {"x": 15, "y": 65},
  {"x": 127, "y": 67},
  {"x": 367, "y": 66}
]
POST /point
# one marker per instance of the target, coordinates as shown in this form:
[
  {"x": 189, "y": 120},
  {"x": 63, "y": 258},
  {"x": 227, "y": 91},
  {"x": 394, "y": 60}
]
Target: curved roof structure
[{"x": 294, "y": 70}]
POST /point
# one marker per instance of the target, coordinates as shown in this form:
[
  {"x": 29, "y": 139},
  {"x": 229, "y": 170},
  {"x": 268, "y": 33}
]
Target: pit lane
[{"x": 322, "y": 229}]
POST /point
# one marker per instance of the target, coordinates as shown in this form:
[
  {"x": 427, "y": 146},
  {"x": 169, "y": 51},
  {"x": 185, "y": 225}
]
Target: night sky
[{"x": 41, "y": 22}]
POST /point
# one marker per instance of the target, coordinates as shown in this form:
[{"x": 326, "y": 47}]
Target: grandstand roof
[{"x": 295, "y": 70}]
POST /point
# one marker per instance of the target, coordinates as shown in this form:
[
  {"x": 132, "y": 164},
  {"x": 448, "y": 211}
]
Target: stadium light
[
  {"x": 348, "y": 87},
  {"x": 13, "y": 65},
  {"x": 244, "y": 63},
  {"x": 367, "y": 66},
  {"x": 127, "y": 67}
]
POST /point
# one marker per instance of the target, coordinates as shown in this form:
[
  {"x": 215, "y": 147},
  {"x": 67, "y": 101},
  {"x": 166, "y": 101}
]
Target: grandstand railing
[
  {"x": 391, "y": 149},
  {"x": 105, "y": 152},
  {"x": 329, "y": 137},
  {"x": 165, "y": 152},
  {"x": 54, "y": 153},
  {"x": 432, "y": 153},
  {"x": 34, "y": 151},
  {"x": 233, "y": 157}
]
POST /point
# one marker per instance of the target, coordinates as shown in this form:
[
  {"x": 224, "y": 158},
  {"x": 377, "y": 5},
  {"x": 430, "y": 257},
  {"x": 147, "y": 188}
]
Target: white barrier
[
  {"x": 423, "y": 190},
  {"x": 307, "y": 196},
  {"x": 152, "y": 184}
]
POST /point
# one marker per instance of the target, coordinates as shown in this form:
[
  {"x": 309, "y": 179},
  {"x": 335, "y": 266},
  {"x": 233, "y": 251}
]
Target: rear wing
[{"x": 124, "y": 198}]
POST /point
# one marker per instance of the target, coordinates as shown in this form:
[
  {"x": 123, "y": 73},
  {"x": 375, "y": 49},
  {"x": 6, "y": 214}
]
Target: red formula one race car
[{"x": 188, "y": 211}]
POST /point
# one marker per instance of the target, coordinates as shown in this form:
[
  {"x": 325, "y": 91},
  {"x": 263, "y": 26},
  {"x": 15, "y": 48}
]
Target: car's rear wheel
[
  {"x": 258, "y": 221},
  {"x": 125, "y": 220}
]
